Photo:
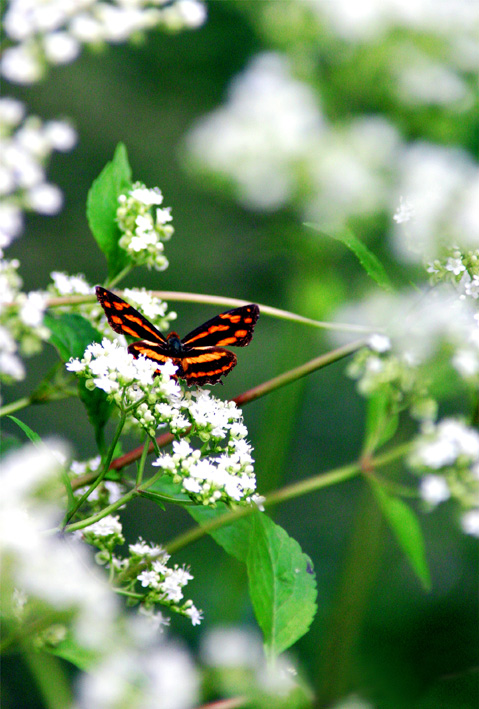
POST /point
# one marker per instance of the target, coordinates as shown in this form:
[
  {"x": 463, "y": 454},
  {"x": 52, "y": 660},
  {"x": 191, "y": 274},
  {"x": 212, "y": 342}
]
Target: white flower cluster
[
  {"x": 110, "y": 367},
  {"x": 64, "y": 284},
  {"x": 26, "y": 145},
  {"x": 50, "y": 582},
  {"x": 146, "y": 564},
  {"x": 21, "y": 321},
  {"x": 223, "y": 469},
  {"x": 145, "y": 226},
  {"x": 227, "y": 477},
  {"x": 50, "y": 32},
  {"x": 420, "y": 326},
  {"x": 446, "y": 455},
  {"x": 441, "y": 188},
  {"x": 272, "y": 143},
  {"x": 54, "y": 574}
]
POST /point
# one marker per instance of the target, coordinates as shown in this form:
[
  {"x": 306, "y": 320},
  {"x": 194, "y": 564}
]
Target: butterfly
[{"x": 200, "y": 357}]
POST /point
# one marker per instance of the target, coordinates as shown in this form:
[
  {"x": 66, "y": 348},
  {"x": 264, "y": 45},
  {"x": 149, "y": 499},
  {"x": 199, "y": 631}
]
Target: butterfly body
[{"x": 200, "y": 356}]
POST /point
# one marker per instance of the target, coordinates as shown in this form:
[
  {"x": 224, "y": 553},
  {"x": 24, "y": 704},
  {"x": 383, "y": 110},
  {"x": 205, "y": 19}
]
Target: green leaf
[
  {"x": 234, "y": 537},
  {"x": 405, "y": 527},
  {"x": 79, "y": 656},
  {"x": 31, "y": 435},
  {"x": 381, "y": 421},
  {"x": 71, "y": 334},
  {"x": 102, "y": 204},
  {"x": 282, "y": 585},
  {"x": 369, "y": 261}
]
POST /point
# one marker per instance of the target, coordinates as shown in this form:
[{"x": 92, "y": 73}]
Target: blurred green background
[{"x": 377, "y": 633}]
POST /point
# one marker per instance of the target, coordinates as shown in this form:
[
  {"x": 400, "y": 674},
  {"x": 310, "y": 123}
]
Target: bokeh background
[{"x": 272, "y": 114}]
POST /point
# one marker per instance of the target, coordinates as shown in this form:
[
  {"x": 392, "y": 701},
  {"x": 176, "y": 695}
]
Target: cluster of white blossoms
[
  {"x": 144, "y": 225},
  {"x": 272, "y": 143},
  {"x": 446, "y": 455},
  {"x": 52, "y": 591},
  {"x": 26, "y": 144},
  {"x": 21, "y": 321},
  {"x": 54, "y": 575},
  {"x": 49, "y": 32},
  {"x": 223, "y": 469},
  {"x": 413, "y": 327},
  {"x": 146, "y": 565}
]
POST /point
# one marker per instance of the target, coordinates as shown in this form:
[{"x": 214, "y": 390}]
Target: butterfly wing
[
  {"x": 125, "y": 320},
  {"x": 232, "y": 328},
  {"x": 200, "y": 367}
]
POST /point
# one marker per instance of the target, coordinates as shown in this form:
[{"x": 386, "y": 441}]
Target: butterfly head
[{"x": 174, "y": 343}]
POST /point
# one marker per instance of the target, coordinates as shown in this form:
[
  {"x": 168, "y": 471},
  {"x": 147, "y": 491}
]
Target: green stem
[
  {"x": 141, "y": 464},
  {"x": 100, "y": 515},
  {"x": 106, "y": 465},
  {"x": 264, "y": 309},
  {"x": 15, "y": 406},
  {"x": 119, "y": 277},
  {"x": 289, "y": 492}
]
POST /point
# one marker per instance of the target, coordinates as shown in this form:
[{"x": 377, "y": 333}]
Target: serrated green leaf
[
  {"x": 102, "y": 204},
  {"x": 405, "y": 527},
  {"x": 31, "y": 435},
  {"x": 282, "y": 585},
  {"x": 369, "y": 261},
  {"x": 71, "y": 334}
]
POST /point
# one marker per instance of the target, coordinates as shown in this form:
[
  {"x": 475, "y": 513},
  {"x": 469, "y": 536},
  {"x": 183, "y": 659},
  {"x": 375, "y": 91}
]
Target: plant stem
[
  {"x": 106, "y": 465},
  {"x": 100, "y": 515},
  {"x": 141, "y": 464},
  {"x": 183, "y": 297},
  {"x": 15, "y": 406}
]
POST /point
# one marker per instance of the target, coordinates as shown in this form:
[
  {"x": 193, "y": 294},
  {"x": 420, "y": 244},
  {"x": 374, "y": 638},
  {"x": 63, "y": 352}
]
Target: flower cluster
[
  {"x": 146, "y": 565},
  {"x": 52, "y": 590},
  {"x": 54, "y": 576},
  {"x": 446, "y": 456},
  {"x": 26, "y": 144},
  {"x": 110, "y": 367},
  {"x": 222, "y": 470},
  {"x": 416, "y": 328},
  {"x": 50, "y": 32},
  {"x": 21, "y": 322},
  {"x": 145, "y": 226}
]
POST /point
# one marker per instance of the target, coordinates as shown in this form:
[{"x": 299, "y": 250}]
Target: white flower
[
  {"x": 105, "y": 527},
  {"x": 195, "y": 615},
  {"x": 470, "y": 522},
  {"x": 45, "y": 199},
  {"x": 434, "y": 489},
  {"x": 147, "y": 196},
  {"x": 33, "y": 309},
  {"x": 148, "y": 579},
  {"x": 404, "y": 212}
]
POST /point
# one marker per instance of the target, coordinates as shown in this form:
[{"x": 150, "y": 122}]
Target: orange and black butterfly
[{"x": 200, "y": 356}]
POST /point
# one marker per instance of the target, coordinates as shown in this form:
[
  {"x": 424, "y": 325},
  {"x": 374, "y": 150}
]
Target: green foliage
[
  {"x": 369, "y": 261},
  {"x": 405, "y": 527},
  {"x": 102, "y": 204},
  {"x": 71, "y": 651},
  {"x": 71, "y": 334},
  {"x": 381, "y": 421},
  {"x": 282, "y": 585},
  {"x": 31, "y": 435}
]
